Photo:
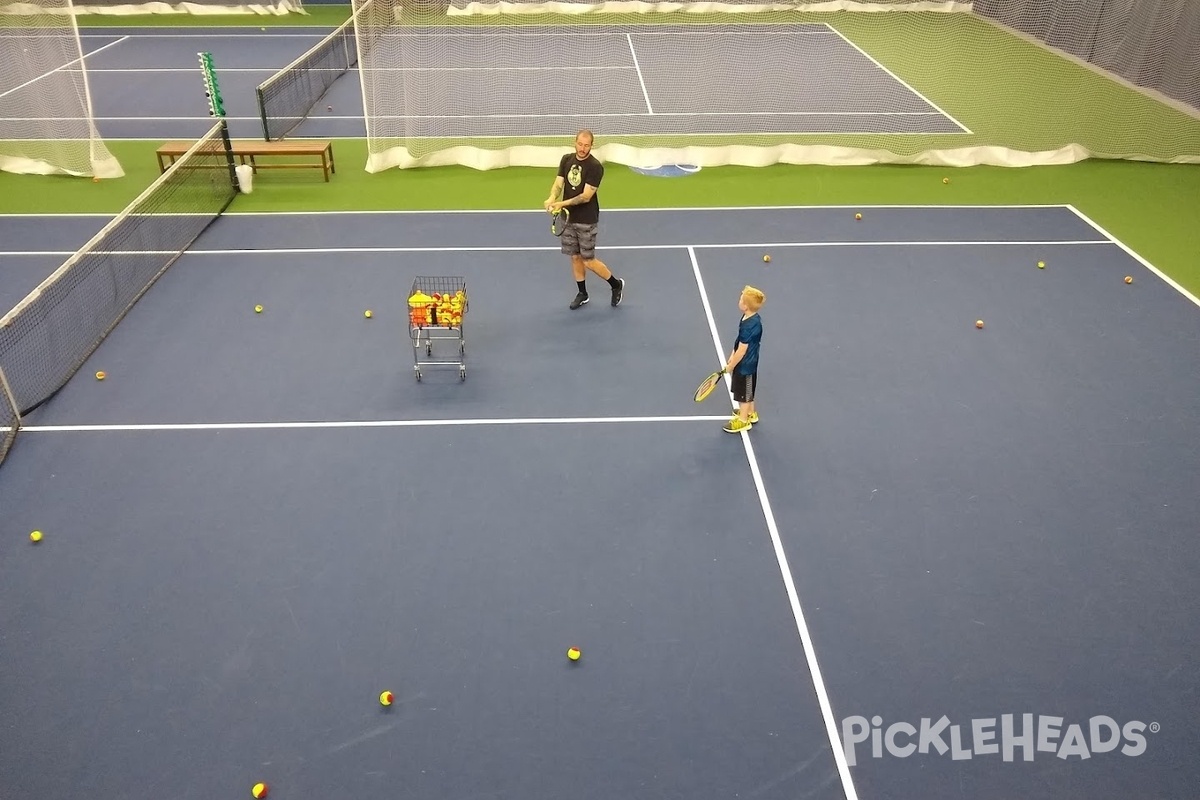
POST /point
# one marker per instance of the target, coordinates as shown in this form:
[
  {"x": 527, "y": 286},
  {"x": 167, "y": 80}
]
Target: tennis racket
[
  {"x": 707, "y": 385},
  {"x": 559, "y": 220}
]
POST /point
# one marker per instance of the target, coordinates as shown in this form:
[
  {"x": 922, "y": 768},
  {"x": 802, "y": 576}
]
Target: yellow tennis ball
[
  {"x": 260, "y": 790},
  {"x": 767, "y": 259},
  {"x": 574, "y": 653},
  {"x": 1129, "y": 279},
  {"x": 100, "y": 375},
  {"x": 945, "y": 180},
  {"x": 858, "y": 216},
  {"x": 978, "y": 323},
  {"x": 386, "y": 698},
  {"x": 1041, "y": 265},
  {"x": 258, "y": 309},
  {"x": 35, "y": 537},
  {"x": 368, "y": 314}
]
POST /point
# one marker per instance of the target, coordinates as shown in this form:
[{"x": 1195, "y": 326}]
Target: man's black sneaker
[
  {"x": 617, "y": 291},
  {"x": 579, "y": 300}
]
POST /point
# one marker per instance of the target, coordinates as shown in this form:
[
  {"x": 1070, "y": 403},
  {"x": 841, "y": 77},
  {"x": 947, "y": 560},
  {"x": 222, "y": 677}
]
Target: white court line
[
  {"x": 638, "y": 67},
  {"x": 553, "y": 248},
  {"x": 767, "y": 31},
  {"x": 205, "y": 120},
  {"x": 623, "y": 114},
  {"x": 580, "y": 32},
  {"x": 810, "y": 654},
  {"x": 1132, "y": 254},
  {"x": 542, "y": 213},
  {"x": 386, "y": 423},
  {"x": 565, "y": 68},
  {"x": 625, "y": 136},
  {"x": 189, "y": 70},
  {"x": 72, "y": 252},
  {"x": 58, "y": 69},
  {"x": 546, "y": 248},
  {"x": 201, "y": 35},
  {"x": 192, "y": 70},
  {"x": 555, "y": 116},
  {"x": 626, "y": 114},
  {"x": 901, "y": 81},
  {"x": 643, "y": 210}
]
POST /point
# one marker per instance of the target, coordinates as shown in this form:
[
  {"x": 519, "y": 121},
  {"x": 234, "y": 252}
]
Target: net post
[
  {"x": 229, "y": 162},
  {"x": 10, "y": 417},
  {"x": 262, "y": 112}
]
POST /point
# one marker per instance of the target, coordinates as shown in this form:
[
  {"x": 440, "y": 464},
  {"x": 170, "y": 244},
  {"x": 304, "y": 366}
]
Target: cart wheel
[
  {"x": 462, "y": 373},
  {"x": 418, "y": 373}
]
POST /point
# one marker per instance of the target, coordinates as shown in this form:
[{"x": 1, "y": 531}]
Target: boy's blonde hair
[{"x": 754, "y": 298}]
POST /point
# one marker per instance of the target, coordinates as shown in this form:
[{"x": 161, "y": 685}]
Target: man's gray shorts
[{"x": 580, "y": 239}]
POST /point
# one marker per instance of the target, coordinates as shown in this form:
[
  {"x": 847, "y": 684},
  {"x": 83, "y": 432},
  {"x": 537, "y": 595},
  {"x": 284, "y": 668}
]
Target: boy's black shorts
[{"x": 743, "y": 386}]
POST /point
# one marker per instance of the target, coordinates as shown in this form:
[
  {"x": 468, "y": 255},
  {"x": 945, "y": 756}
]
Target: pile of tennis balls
[{"x": 437, "y": 309}]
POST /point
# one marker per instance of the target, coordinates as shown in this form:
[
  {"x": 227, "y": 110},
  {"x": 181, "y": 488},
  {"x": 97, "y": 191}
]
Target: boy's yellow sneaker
[
  {"x": 753, "y": 416},
  {"x": 736, "y": 425}
]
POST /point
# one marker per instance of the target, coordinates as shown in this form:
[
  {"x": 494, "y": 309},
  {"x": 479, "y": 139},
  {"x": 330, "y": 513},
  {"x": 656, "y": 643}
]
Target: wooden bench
[{"x": 247, "y": 151}]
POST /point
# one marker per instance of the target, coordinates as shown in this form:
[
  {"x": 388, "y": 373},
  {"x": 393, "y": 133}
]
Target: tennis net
[
  {"x": 49, "y": 335},
  {"x": 285, "y": 98}
]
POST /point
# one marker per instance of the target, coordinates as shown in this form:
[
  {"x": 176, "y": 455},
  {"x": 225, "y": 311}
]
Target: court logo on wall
[{"x": 1010, "y": 737}]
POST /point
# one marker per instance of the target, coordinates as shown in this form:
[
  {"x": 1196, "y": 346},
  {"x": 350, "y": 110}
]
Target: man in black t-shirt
[{"x": 579, "y": 176}]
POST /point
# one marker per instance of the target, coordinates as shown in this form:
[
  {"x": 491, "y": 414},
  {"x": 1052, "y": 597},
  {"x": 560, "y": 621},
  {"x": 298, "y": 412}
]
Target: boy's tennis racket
[
  {"x": 559, "y": 220},
  {"x": 706, "y": 387}
]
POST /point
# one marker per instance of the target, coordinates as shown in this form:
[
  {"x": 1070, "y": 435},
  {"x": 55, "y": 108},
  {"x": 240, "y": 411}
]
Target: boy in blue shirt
[{"x": 742, "y": 365}]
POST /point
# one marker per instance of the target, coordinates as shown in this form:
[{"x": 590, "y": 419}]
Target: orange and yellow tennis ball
[
  {"x": 858, "y": 216},
  {"x": 767, "y": 259},
  {"x": 978, "y": 323},
  {"x": 386, "y": 698},
  {"x": 100, "y": 375},
  {"x": 1129, "y": 279},
  {"x": 574, "y": 653},
  {"x": 260, "y": 790},
  {"x": 35, "y": 537}
]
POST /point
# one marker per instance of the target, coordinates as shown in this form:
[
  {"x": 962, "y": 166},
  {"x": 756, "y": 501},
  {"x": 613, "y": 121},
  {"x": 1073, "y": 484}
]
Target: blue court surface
[
  {"x": 949, "y": 562},
  {"x": 145, "y": 82}
]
